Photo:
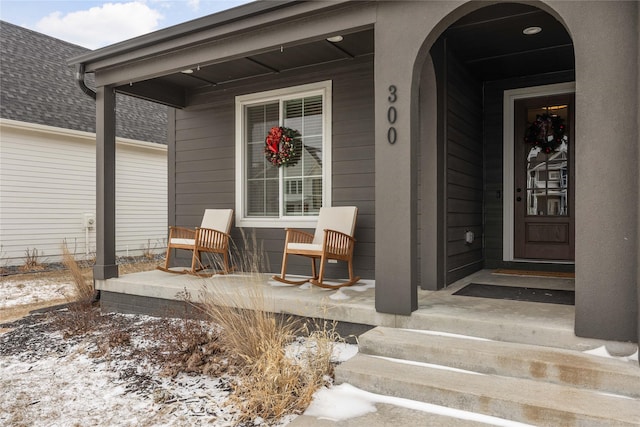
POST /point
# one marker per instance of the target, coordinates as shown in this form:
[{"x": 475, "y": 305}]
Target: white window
[{"x": 289, "y": 195}]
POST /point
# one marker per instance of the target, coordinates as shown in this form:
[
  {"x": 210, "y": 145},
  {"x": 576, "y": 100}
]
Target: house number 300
[{"x": 392, "y": 115}]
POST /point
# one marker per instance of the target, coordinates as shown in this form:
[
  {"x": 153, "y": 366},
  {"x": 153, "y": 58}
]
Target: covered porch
[
  {"x": 431, "y": 211},
  {"x": 545, "y": 324}
]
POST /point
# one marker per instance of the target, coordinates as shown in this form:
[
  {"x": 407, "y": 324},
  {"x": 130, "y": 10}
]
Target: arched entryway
[{"x": 465, "y": 170}]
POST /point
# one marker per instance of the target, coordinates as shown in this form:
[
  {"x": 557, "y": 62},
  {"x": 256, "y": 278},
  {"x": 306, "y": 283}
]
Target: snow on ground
[
  {"x": 15, "y": 292},
  {"x": 345, "y": 401},
  {"x": 47, "y": 379},
  {"x": 70, "y": 390},
  {"x": 602, "y": 352},
  {"x": 56, "y": 381}
]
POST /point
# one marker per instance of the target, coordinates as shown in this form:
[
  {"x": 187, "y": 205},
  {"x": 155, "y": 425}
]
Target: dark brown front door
[{"x": 544, "y": 179}]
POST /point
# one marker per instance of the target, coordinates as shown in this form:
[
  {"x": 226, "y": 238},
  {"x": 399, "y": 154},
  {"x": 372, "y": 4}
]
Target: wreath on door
[
  {"x": 282, "y": 146},
  {"x": 547, "y": 132}
]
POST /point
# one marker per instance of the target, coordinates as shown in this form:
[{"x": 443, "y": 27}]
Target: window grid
[
  {"x": 300, "y": 181},
  {"x": 292, "y": 195},
  {"x": 259, "y": 119}
]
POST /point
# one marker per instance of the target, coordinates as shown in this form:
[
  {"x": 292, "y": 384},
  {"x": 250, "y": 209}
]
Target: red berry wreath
[{"x": 282, "y": 146}]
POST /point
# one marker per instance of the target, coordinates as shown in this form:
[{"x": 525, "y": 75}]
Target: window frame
[{"x": 323, "y": 88}]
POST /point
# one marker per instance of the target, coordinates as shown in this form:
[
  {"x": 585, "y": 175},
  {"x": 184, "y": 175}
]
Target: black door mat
[{"x": 516, "y": 293}]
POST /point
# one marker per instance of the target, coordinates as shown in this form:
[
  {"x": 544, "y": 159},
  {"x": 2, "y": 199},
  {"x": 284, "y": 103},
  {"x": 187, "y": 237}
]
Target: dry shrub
[
  {"x": 118, "y": 338},
  {"x": 190, "y": 346},
  {"x": 319, "y": 345},
  {"x": 32, "y": 261},
  {"x": 279, "y": 383},
  {"x": 249, "y": 332},
  {"x": 83, "y": 289},
  {"x": 112, "y": 338},
  {"x": 82, "y": 315},
  {"x": 271, "y": 383}
]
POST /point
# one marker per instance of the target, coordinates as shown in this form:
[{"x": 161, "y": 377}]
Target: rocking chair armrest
[
  {"x": 210, "y": 238},
  {"x": 337, "y": 243},
  {"x": 297, "y": 236},
  {"x": 181, "y": 233}
]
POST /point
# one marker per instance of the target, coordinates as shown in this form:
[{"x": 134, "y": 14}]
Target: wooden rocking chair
[
  {"x": 333, "y": 239},
  {"x": 211, "y": 237}
]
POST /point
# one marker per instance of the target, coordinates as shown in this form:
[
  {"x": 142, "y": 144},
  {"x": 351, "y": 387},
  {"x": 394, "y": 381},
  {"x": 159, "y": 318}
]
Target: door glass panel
[{"x": 548, "y": 173}]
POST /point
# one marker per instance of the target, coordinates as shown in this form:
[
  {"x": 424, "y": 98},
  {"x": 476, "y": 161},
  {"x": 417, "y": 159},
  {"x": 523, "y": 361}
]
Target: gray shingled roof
[{"x": 37, "y": 86}]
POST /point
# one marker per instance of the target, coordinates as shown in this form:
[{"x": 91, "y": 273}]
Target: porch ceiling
[
  {"x": 491, "y": 44},
  {"x": 278, "y": 60}
]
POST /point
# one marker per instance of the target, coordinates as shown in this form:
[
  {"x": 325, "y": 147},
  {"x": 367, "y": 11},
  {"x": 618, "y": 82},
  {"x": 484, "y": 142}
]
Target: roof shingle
[{"x": 37, "y": 86}]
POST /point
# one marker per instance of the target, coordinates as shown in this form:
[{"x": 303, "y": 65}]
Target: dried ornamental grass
[
  {"x": 83, "y": 289},
  {"x": 272, "y": 383},
  {"x": 82, "y": 316}
]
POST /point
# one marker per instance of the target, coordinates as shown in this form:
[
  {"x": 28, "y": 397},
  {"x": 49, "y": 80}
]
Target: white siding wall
[
  {"x": 47, "y": 184},
  {"x": 141, "y": 198}
]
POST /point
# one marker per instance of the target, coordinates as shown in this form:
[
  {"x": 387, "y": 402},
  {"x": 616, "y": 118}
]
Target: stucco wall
[
  {"x": 606, "y": 163},
  {"x": 397, "y": 259},
  {"x": 606, "y": 166}
]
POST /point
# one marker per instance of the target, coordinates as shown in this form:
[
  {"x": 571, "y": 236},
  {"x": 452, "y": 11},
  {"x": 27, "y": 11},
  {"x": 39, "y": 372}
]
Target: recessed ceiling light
[
  {"x": 187, "y": 71},
  {"x": 529, "y": 31},
  {"x": 335, "y": 39}
]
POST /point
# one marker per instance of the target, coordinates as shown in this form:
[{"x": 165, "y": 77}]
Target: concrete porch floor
[{"x": 503, "y": 320}]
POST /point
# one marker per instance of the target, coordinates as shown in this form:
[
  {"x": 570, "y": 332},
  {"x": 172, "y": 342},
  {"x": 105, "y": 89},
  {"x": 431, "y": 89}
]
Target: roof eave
[{"x": 238, "y": 13}]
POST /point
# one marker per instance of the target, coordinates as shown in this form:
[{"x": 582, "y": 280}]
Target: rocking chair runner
[
  {"x": 333, "y": 239},
  {"x": 211, "y": 237}
]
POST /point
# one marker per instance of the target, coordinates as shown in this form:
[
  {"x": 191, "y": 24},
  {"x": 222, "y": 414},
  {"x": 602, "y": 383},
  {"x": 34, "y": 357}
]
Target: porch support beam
[
  {"x": 606, "y": 181},
  {"x": 105, "y": 266},
  {"x": 395, "y": 183},
  {"x": 397, "y": 86}
]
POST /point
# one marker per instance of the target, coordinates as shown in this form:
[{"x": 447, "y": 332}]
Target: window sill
[{"x": 307, "y": 222}]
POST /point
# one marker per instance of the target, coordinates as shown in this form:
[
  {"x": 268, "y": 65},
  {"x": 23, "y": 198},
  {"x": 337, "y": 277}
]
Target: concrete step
[
  {"x": 550, "y": 325},
  {"x": 389, "y": 415},
  {"x": 522, "y": 400},
  {"x": 553, "y": 365}
]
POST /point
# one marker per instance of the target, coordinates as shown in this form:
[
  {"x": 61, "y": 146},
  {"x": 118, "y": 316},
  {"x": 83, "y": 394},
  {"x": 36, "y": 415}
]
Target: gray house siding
[
  {"x": 464, "y": 171},
  {"x": 472, "y": 129},
  {"x": 204, "y": 160},
  {"x": 460, "y": 167}
]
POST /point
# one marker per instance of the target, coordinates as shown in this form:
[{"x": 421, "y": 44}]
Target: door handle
[{"x": 519, "y": 190}]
